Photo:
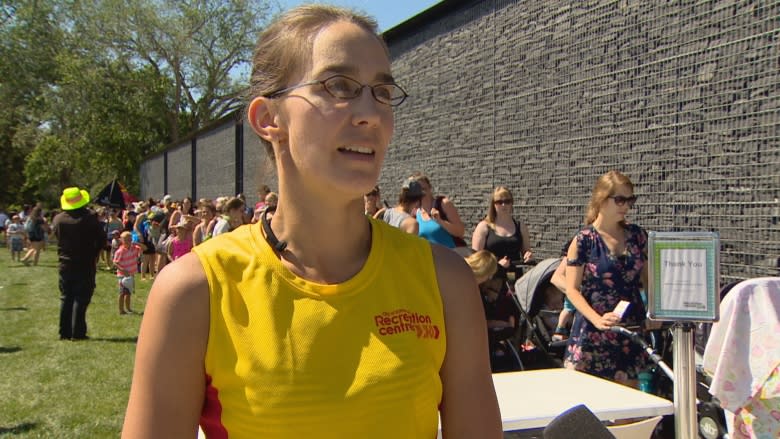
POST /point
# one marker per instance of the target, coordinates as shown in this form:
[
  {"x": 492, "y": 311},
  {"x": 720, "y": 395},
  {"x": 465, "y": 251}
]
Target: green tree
[
  {"x": 30, "y": 41},
  {"x": 90, "y": 88},
  {"x": 203, "y": 46}
]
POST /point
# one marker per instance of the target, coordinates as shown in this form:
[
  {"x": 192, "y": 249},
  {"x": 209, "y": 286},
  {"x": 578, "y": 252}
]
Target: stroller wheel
[{"x": 711, "y": 424}]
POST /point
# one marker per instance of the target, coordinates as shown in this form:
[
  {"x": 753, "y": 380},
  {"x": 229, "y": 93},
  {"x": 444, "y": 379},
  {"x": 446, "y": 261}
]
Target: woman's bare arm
[
  {"x": 479, "y": 236},
  {"x": 166, "y": 396},
  {"x": 573, "y": 284},
  {"x": 454, "y": 225},
  {"x": 469, "y": 408}
]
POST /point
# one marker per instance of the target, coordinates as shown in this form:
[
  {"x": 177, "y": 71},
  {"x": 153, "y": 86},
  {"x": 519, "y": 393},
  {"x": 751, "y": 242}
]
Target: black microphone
[
  {"x": 270, "y": 236},
  {"x": 576, "y": 422}
]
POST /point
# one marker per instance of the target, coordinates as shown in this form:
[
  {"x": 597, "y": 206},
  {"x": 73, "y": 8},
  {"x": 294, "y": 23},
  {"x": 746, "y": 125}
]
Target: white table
[{"x": 531, "y": 399}]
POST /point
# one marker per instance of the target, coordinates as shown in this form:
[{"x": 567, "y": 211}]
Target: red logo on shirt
[{"x": 401, "y": 320}]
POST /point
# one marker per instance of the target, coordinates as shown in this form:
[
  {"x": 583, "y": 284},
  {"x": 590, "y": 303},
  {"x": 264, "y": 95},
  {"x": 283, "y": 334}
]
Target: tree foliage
[{"x": 90, "y": 88}]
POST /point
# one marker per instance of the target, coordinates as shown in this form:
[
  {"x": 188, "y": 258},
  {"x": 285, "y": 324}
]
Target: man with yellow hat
[{"x": 80, "y": 238}]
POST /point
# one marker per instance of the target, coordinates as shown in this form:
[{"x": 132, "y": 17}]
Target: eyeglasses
[
  {"x": 621, "y": 200},
  {"x": 343, "y": 87},
  {"x": 504, "y": 202}
]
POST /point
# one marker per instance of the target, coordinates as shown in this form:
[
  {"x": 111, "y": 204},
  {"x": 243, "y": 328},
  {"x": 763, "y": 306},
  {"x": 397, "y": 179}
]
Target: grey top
[{"x": 394, "y": 217}]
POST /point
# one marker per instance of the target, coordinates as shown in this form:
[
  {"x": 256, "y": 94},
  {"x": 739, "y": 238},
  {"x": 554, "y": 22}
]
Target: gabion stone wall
[
  {"x": 152, "y": 177},
  {"x": 215, "y": 163},
  {"x": 258, "y": 168},
  {"x": 544, "y": 97},
  {"x": 179, "y": 171}
]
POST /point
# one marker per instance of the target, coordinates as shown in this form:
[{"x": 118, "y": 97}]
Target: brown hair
[
  {"x": 604, "y": 188},
  {"x": 284, "y": 47},
  {"x": 497, "y": 192},
  {"x": 232, "y": 204}
]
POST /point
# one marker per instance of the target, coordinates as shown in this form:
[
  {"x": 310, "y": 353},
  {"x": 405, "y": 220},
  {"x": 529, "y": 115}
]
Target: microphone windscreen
[{"x": 577, "y": 422}]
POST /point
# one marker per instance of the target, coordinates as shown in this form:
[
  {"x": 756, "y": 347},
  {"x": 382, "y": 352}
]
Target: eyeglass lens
[
  {"x": 343, "y": 87},
  {"x": 621, "y": 200}
]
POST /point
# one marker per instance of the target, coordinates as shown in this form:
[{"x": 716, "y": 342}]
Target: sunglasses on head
[
  {"x": 503, "y": 202},
  {"x": 621, "y": 200}
]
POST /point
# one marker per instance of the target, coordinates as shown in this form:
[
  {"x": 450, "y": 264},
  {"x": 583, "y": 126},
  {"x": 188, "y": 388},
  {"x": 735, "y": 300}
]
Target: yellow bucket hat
[{"x": 73, "y": 198}]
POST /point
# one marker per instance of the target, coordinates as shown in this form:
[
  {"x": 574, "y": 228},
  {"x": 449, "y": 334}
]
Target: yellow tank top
[{"x": 289, "y": 358}]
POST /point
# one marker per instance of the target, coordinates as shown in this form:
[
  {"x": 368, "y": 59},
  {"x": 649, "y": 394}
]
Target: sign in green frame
[{"x": 684, "y": 276}]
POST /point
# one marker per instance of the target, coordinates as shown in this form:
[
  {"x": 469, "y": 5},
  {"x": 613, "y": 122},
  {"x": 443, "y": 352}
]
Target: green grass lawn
[{"x": 62, "y": 389}]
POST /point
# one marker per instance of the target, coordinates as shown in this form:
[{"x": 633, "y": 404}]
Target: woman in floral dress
[{"x": 606, "y": 265}]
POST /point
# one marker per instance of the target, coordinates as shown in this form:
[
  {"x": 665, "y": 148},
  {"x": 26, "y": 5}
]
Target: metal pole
[{"x": 685, "y": 420}]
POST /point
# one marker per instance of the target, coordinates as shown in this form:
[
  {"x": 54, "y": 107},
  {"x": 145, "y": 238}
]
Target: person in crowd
[
  {"x": 4, "y": 221},
  {"x": 15, "y": 233},
  {"x": 113, "y": 223},
  {"x": 606, "y": 264},
  {"x": 500, "y": 311},
  {"x": 185, "y": 210},
  {"x": 35, "y": 228},
  {"x": 232, "y": 217},
  {"x": 438, "y": 217},
  {"x": 262, "y": 192},
  {"x": 306, "y": 325},
  {"x": 566, "y": 316},
  {"x": 162, "y": 253},
  {"x": 207, "y": 212},
  {"x": 401, "y": 215},
  {"x": 503, "y": 235},
  {"x": 102, "y": 217},
  {"x": 483, "y": 264},
  {"x": 501, "y": 314},
  {"x": 128, "y": 223},
  {"x": 181, "y": 244},
  {"x": 372, "y": 202},
  {"x": 269, "y": 207},
  {"x": 248, "y": 212},
  {"x": 79, "y": 242},
  {"x": 25, "y": 212},
  {"x": 151, "y": 238},
  {"x": 141, "y": 218},
  {"x": 272, "y": 200},
  {"x": 115, "y": 244},
  {"x": 219, "y": 204},
  {"x": 126, "y": 261}
]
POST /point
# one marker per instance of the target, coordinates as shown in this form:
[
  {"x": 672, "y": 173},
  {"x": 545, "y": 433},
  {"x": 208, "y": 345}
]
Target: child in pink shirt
[
  {"x": 181, "y": 244},
  {"x": 126, "y": 262}
]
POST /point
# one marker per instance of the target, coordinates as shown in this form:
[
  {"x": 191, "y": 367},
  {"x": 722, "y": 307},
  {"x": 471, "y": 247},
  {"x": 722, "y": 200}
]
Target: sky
[{"x": 388, "y": 13}]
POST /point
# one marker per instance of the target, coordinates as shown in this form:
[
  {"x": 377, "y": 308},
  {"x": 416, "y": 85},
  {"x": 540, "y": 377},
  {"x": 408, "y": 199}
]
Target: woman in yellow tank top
[{"x": 322, "y": 321}]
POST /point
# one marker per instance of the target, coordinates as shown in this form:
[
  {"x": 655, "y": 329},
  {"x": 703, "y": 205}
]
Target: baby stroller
[
  {"x": 539, "y": 303},
  {"x": 741, "y": 361}
]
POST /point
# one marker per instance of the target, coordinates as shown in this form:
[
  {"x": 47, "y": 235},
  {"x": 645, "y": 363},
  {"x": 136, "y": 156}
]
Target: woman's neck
[
  {"x": 503, "y": 218},
  {"x": 328, "y": 248},
  {"x": 426, "y": 202},
  {"x": 604, "y": 225}
]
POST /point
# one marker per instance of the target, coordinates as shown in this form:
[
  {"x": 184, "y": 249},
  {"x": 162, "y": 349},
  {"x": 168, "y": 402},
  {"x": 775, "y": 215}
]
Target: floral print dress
[{"x": 607, "y": 279}]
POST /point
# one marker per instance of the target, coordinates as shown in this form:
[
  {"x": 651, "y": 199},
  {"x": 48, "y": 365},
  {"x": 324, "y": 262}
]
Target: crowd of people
[{"x": 329, "y": 309}]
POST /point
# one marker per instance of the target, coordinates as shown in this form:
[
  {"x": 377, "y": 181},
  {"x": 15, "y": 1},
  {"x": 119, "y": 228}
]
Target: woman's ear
[{"x": 262, "y": 118}]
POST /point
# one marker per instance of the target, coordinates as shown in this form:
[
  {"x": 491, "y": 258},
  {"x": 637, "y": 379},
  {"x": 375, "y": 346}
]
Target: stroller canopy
[{"x": 526, "y": 286}]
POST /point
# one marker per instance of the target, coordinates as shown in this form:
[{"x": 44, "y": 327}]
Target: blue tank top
[{"x": 434, "y": 232}]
